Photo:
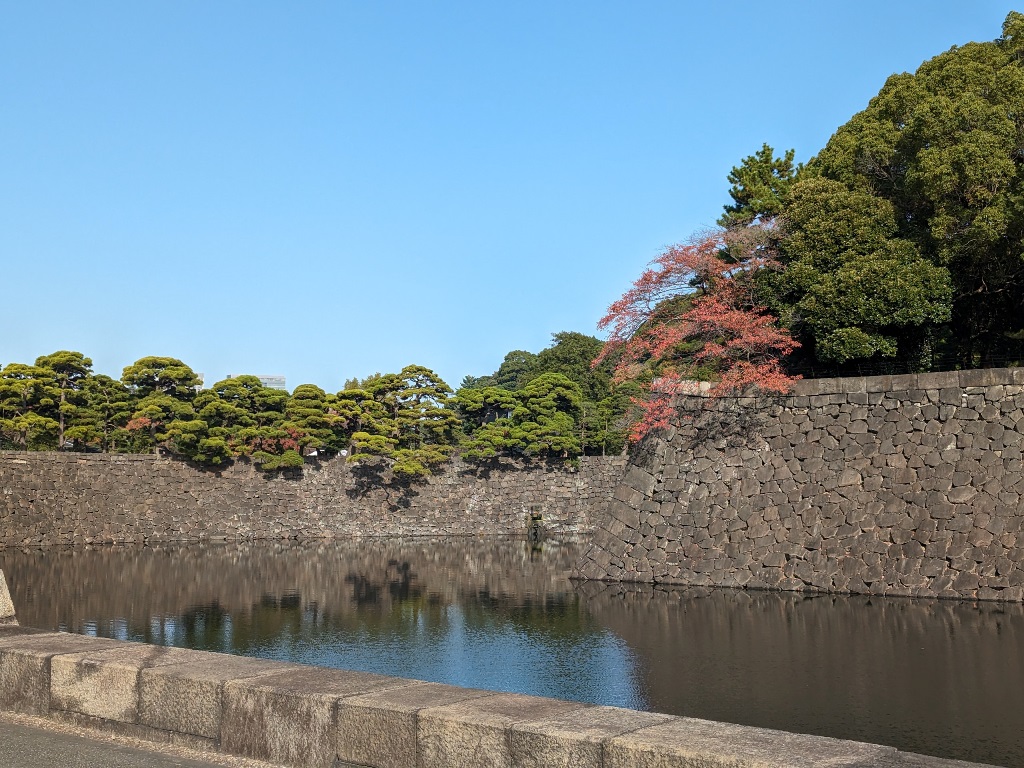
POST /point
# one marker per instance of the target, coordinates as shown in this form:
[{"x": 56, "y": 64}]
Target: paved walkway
[{"x": 30, "y": 742}]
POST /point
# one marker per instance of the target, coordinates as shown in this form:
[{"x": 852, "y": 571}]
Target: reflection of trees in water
[
  {"x": 203, "y": 627},
  {"x": 69, "y": 586},
  {"x": 399, "y": 581},
  {"x": 391, "y": 605}
]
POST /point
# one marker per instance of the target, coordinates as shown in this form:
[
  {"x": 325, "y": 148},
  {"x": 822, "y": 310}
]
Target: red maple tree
[{"x": 694, "y": 314}]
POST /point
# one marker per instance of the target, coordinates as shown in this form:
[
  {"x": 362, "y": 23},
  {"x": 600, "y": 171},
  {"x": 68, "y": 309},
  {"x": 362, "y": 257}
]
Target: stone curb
[{"x": 297, "y": 715}]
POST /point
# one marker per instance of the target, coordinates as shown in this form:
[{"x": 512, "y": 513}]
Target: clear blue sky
[{"x": 325, "y": 190}]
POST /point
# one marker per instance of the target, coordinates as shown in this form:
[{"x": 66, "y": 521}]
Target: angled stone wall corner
[
  {"x": 7, "y": 615},
  {"x": 799, "y": 496}
]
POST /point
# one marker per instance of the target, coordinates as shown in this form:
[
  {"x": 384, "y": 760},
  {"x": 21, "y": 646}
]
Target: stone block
[
  {"x": 380, "y": 729},
  {"x": 938, "y": 380},
  {"x": 6, "y": 604},
  {"x": 188, "y": 697},
  {"x": 640, "y": 481},
  {"x": 903, "y": 383},
  {"x": 25, "y": 666},
  {"x": 288, "y": 717},
  {"x": 576, "y": 738},
  {"x": 803, "y": 388},
  {"x": 852, "y": 385},
  {"x": 877, "y": 384},
  {"x": 985, "y": 377},
  {"x": 950, "y": 396},
  {"x": 688, "y": 742},
  {"x": 104, "y": 682},
  {"x": 474, "y": 734},
  {"x": 849, "y": 477}
]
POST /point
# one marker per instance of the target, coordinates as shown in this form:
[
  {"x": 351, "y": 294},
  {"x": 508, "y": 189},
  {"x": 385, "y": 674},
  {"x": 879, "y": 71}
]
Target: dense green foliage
[
  {"x": 499, "y": 414},
  {"x": 903, "y": 239},
  {"x": 409, "y": 423}
]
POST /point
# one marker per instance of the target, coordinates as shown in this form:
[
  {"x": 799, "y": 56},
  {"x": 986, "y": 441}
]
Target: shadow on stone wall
[{"x": 61, "y": 498}]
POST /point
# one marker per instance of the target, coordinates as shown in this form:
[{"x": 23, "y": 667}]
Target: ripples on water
[{"x": 939, "y": 677}]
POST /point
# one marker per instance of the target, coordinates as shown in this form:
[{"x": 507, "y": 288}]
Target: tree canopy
[
  {"x": 900, "y": 243},
  {"x": 408, "y": 423},
  {"x": 939, "y": 154}
]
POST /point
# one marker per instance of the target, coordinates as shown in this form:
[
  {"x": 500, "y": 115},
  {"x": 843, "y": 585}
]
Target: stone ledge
[
  {"x": 308, "y": 716},
  {"x": 981, "y": 377}
]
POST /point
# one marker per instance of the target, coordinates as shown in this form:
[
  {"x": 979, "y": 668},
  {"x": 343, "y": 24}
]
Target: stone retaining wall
[
  {"x": 67, "y": 498},
  {"x": 896, "y": 485},
  {"x": 295, "y": 715}
]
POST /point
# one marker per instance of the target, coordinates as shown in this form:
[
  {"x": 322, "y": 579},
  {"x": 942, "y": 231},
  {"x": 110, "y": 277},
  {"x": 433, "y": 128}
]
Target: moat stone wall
[
  {"x": 66, "y": 498},
  {"x": 895, "y": 485}
]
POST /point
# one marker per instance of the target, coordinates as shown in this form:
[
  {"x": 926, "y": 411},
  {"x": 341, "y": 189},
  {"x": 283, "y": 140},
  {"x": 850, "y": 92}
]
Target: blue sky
[{"x": 325, "y": 190}]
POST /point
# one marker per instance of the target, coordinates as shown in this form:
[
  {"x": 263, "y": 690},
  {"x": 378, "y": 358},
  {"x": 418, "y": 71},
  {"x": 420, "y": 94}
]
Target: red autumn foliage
[
  {"x": 276, "y": 442},
  {"x": 718, "y": 328},
  {"x": 141, "y": 422}
]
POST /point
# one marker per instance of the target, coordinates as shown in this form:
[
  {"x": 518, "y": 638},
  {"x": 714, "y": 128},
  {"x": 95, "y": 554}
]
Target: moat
[{"x": 940, "y": 677}]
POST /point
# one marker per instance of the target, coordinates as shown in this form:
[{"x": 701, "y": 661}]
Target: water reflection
[{"x": 938, "y": 677}]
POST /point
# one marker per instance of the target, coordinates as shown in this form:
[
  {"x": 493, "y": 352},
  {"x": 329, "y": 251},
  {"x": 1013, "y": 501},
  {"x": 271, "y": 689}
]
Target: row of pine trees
[{"x": 410, "y": 422}]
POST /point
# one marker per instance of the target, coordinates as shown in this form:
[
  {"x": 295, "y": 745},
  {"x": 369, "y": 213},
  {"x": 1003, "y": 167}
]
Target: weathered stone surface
[
  {"x": 688, "y": 742},
  {"x": 288, "y": 717},
  {"x": 381, "y": 728},
  {"x": 867, "y": 489},
  {"x": 475, "y": 733},
  {"x": 575, "y": 738},
  {"x": 104, "y": 682},
  {"x": 25, "y": 665},
  {"x": 7, "y": 613},
  {"x": 308, "y": 716},
  {"x": 188, "y": 697},
  {"x": 68, "y": 498}
]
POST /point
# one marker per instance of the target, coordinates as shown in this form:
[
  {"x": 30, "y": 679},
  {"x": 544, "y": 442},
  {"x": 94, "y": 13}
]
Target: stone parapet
[
  {"x": 897, "y": 485},
  {"x": 296, "y": 715}
]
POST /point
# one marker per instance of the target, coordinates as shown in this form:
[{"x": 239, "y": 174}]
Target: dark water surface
[{"x": 934, "y": 676}]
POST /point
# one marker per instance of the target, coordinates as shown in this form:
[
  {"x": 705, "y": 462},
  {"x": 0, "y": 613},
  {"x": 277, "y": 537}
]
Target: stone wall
[
  {"x": 67, "y": 498},
  {"x": 895, "y": 485}
]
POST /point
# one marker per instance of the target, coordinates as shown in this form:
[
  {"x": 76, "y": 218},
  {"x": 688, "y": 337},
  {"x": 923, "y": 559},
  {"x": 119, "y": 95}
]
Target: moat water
[{"x": 939, "y": 677}]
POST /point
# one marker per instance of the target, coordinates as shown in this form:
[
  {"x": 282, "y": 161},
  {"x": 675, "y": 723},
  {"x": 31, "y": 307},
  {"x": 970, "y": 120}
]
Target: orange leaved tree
[{"x": 694, "y": 315}]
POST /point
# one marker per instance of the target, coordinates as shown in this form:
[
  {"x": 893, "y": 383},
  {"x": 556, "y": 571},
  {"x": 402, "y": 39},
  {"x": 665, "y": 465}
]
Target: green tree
[
  {"x": 100, "y": 421},
  {"x": 515, "y": 370},
  {"x": 26, "y": 402},
  {"x": 478, "y": 407},
  {"x": 759, "y": 188},
  {"x": 552, "y": 403},
  {"x": 539, "y": 420},
  {"x": 851, "y": 289},
  {"x": 161, "y": 375},
  {"x": 602, "y": 419},
  {"x": 69, "y": 372},
  {"x": 406, "y": 419},
  {"x": 572, "y": 354},
  {"x": 163, "y": 389},
  {"x": 943, "y": 147},
  {"x": 192, "y": 439},
  {"x": 308, "y": 415},
  {"x": 477, "y": 382}
]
